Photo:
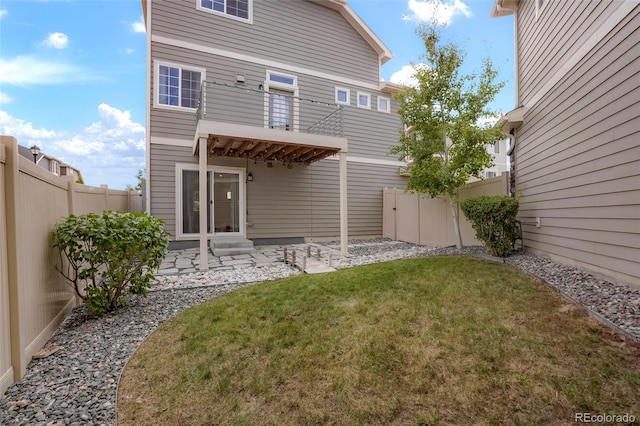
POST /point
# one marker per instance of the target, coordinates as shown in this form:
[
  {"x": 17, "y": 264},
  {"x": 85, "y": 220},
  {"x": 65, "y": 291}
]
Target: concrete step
[
  {"x": 233, "y": 251},
  {"x": 230, "y": 246}
]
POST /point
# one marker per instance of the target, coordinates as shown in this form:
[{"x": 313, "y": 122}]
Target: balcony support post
[
  {"x": 344, "y": 229},
  {"x": 203, "y": 204}
]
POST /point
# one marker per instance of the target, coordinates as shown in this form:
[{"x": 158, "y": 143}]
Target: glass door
[{"x": 227, "y": 202}]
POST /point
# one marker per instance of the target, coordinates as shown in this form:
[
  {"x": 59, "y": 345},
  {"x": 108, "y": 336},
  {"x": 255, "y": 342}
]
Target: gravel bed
[{"x": 77, "y": 385}]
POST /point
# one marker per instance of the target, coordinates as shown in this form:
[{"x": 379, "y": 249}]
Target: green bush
[
  {"x": 493, "y": 218},
  {"x": 110, "y": 255}
]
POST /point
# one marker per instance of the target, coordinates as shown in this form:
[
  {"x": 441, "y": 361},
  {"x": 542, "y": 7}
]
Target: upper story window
[
  {"x": 342, "y": 96},
  {"x": 496, "y": 147},
  {"x": 54, "y": 167},
  {"x": 236, "y": 9},
  {"x": 364, "y": 100},
  {"x": 178, "y": 86},
  {"x": 384, "y": 104}
]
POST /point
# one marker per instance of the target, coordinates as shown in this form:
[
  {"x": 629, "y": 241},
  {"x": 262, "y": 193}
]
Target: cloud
[
  {"x": 3, "y": 12},
  {"x": 5, "y": 99},
  {"x": 57, "y": 41},
  {"x": 129, "y": 51},
  {"x": 440, "y": 11},
  {"x": 26, "y": 70},
  {"x": 109, "y": 150},
  {"x": 138, "y": 26},
  {"x": 24, "y": 131},
  {"x": 406, "y": 75}
]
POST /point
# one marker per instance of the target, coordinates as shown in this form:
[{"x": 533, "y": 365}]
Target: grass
[{"x": 425, "y": 341}]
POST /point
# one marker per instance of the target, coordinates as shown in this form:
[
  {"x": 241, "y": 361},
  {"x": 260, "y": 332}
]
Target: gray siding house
[
  {"x": 281, "y": 106},
  {"x": 576, "y": 131}
]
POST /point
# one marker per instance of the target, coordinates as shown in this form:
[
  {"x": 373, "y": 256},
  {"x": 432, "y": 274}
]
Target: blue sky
[{"x": 72, "y": 73}]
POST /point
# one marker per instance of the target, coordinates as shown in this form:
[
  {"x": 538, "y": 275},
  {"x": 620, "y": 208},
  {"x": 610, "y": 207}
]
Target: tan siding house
[
  {"x": 576, "y": 131},
  {"x": 280, "y": 105}
]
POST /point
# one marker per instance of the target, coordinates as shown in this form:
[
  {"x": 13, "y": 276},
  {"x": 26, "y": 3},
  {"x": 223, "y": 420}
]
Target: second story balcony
[
  {"x": 275, "y": 109},
  {"x": 242, "y": 122}
]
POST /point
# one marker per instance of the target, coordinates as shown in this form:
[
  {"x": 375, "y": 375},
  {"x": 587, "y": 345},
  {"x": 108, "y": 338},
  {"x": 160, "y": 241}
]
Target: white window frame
[
  {"x": 496, "y": 147},
  {"x": 486, "y": 174},
  {"x": 293, "y": 88},
  {"x": 248, "y": 20},
  {"x": 347, "y": 91},
  {"x": 156, "y": 83},
  {"x": 388, "y": 109},
  {"x": 368, "y": 96},
  {"x": 54, "y": 167},
  {"x": 180, "y": 235}
]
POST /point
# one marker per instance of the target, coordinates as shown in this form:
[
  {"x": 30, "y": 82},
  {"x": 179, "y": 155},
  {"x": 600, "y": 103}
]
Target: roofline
[
  {"x": 349, "y": 14},
  {"x": 504, "y": 8},
  {"x": 360, "y": 26}
]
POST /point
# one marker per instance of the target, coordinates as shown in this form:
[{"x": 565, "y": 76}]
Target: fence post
[
  {"x": 71, "y": 190},
  {"x": 106, "y": 195},
  {"x": 12, "y": 174}
]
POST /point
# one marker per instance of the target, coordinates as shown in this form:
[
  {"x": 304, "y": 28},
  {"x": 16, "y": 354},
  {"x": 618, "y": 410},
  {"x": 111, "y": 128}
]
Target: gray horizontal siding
[
  {"x": 292, "y": 32},
  {"x": 546, "y": 42},
  {"x": 371, "y": 133},
  {"x": 281, "y": 202},
  {"x": 578, "y": 157}
]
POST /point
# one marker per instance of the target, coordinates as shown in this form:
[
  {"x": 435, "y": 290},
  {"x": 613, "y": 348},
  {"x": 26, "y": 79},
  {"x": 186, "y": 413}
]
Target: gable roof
[{"x": 349, "y": 15}]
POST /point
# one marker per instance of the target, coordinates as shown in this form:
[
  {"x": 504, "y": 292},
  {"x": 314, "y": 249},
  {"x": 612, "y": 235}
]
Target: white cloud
[
  {"x": 138, "y": 26},
  {"x": 24, "y": 131},
  {"x": 57, "y": 41},
  {"x": 3, "y": 12},
  {"x": 110, "y": 150},
  {"x": 406, "y": 75},
  {"x": 25, "y": 70},
  {"x": 440, "y": 11},
  {"x": 129, "y": 51},
  {"x": 5, "y": 99}
]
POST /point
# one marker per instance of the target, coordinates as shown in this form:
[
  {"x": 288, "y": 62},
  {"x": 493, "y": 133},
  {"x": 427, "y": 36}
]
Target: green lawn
[{"x": 425, "y": 341}]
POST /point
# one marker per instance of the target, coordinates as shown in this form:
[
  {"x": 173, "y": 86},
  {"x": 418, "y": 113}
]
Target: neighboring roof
[
  {"x": 347, "y": 13},
  {"x": 504, "y": 8},
  {"x": 26, "y": 152},
  {"x": 391, "y": 88}
]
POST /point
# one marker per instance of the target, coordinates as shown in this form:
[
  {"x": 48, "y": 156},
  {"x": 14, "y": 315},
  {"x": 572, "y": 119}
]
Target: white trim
[
  {"x": 293, "y": 88},
  {"x": 540, "y": 5},
  {"x": 367, "y": 95},
  {"x": 241, "y": 131},
  {"x": 374, "y": 161},
  {"x": 248, "y": 20},
  {"x": 156, "y": 92},
  {"x": 388, "y": 109},
  {"x": 616, "y": 17},
  {"x": 347, "y": 91},
  {"x": 241, "y": 171},
  {"x": 156, "y": 140},
  {"x": 265, "y": 62},
  {"x": 148, "y": 93}
]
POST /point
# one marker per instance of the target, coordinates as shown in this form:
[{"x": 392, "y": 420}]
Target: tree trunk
[{"x": 456, "y": 224}]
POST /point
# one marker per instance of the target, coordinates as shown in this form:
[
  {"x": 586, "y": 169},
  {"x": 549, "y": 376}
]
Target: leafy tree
[
  {"x": 141, "y": 181},
  {"x": 445, "y": 118}
]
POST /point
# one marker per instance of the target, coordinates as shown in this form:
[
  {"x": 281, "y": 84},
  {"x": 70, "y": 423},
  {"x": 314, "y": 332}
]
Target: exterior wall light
[{"x": 250, "y": 177}]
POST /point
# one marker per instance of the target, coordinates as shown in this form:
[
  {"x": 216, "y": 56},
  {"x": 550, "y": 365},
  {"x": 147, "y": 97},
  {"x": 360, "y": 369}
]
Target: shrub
[
  {"x": 493, "y": 218},
  {"x": 110, "y": 255}
]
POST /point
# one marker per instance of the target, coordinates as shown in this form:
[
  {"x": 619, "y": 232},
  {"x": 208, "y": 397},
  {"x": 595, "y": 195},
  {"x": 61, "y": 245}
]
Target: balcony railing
[{"x": 276, "y": 109}]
